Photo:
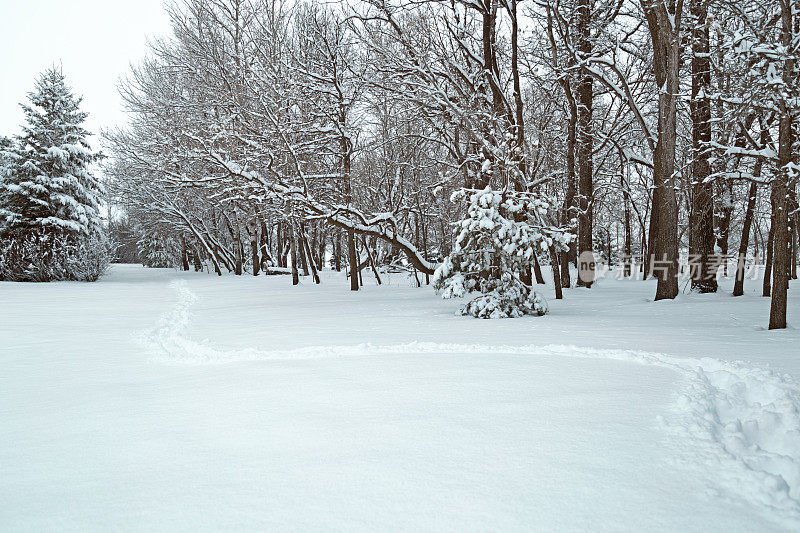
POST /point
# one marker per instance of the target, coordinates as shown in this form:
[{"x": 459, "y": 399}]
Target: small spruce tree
[
  {"x": 157, "y": 251},
  {"x": 498, "y": 238},
  {"x": 495, "y": 241}
]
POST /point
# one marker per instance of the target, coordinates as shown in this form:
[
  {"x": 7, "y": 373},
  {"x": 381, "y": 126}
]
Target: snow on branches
[
  {"x": 50, "y": 222},
  {"x": 497, "y": 239}
]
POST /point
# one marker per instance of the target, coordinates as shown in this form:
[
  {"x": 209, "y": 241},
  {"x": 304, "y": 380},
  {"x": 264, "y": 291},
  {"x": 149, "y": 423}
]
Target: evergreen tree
[
  {"x": 5, "y": 146},
  {"x": 5, "y": 156},
  {"x": 156, "y": 251},
  {"x": 496, "y": 240},
  {"x": 50, "y": 223}
]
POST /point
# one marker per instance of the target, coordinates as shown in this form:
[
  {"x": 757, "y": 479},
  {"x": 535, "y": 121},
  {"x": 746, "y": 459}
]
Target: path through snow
[{"x": 737, "y": 425}]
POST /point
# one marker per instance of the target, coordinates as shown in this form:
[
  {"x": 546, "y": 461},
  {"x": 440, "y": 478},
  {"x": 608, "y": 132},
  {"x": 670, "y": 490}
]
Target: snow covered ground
[{"x": 161, "y": 400}]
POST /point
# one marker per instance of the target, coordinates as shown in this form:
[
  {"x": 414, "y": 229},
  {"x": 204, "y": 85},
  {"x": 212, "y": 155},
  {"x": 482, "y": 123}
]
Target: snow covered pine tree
[
  {"x": 50, "y": 225},
  {"x": 158, "y": 251},
  {"x": 495, "y": 241}
]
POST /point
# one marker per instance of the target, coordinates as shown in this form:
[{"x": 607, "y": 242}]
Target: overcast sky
[{"x": 94, "y": 40}]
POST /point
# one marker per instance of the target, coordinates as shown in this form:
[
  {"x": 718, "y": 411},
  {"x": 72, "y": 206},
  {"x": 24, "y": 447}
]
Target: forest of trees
[{"x": 488, "y": 138}]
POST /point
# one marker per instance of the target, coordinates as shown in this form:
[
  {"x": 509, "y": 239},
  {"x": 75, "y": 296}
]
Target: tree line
[{"x": 272, "y": 135}]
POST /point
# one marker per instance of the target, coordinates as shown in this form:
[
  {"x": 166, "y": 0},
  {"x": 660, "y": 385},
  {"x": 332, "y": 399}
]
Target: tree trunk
[
  {"x": 352, "y": 259},
  {"x": 537, "y": 270},
  {"x": 307, "y": 248},
  {"x": 738, "y": 285},
  {"x": 793, "y": 221},
  {"x": 585, "y": 91},
  {"x": 421, "y": 232},
  {"x": 648, "y": 250},
  {"x": 489, "y": 10},
  {"x": 184, "y": 254},
  {"x": 795, "y": 247},
  {"x": 371, "y": 261},
  {"x": 526, "y": 274},
  {"x": 279, "y": 247},
  {"x": 337, "y": 251},
  {"x": 628, "y": 252},
  {"x": 570, "y": 255},
  {"x": 198, "y": 264},
  {"x": 293, "y": 251},
  {"x": 264, "y": 245},
  {"x": 254, "y": 253},
  {"x": 556, "y": 273},
  {"x": 304, "y": 259},
  {"x": 780, "y": 250},
  {"x": 665, "y": 32},
  {"x": 724, "y": 220},
  {"x": 701, "y": 237},
  {"x": 767, "y": 286},
  {"x": 240, "y": 242},
  {"x": 780, "y": 187},
  {"x": 323, "y": 237}
]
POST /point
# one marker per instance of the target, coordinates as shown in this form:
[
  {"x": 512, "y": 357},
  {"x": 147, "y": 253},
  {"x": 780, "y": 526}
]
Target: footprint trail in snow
[{"x": 734, "y": 423}]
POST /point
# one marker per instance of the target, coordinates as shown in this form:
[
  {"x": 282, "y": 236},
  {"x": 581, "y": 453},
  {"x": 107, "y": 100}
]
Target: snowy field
[{"x": 156, "y": 400}]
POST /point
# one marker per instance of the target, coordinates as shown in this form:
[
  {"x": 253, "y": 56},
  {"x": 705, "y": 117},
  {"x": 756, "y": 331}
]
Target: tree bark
[
  {"x": 569, "y": 198},
  {"x": 649, "y": 249},
  {"x": 352, "y": 259},
  {"x": 323, "y": 237},
  {"x": 701, "y": 240},
  {"x": 337, "y": 251},
  {"x": 795, "y": 247},
  {"x": 664, "y": 28},
  {"x": 371, "y": 259},
  {"x": 556, "y": 273},
  {"x": 184, "y": 254},
  {"x": 767, "y": 285},
  {"x": 628, "y": 252},
  {"x": 570, "y": 255},
  {"x": 793, "y": 236},
  {"x": 752, "y": 193},
  {"x": 724, "y": 215},
  {"x": 254, "y": 253},
  {"x": 585, "y": 91},
  {"x": 780, "y": 248},
  {"x": 198, "y": 264},
  {"x": 264, "y": 251},
  {"x": 293, "y": 251},
  {"x": 304, "y": 258},
  {"x": 780, "y": 186},
  {"x": 307, "y": 247},
  {"x": 738, "y": 285},
  {"x": 279, "y": 247},
  {"x": 537, "y": 270}
]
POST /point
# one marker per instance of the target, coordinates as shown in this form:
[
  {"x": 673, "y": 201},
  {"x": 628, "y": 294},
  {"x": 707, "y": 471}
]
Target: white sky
[{"x": 94, "y": 40}]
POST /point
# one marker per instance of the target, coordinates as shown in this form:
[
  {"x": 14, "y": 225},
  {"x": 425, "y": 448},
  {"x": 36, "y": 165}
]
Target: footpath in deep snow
[{"x": 160, "y": 400}]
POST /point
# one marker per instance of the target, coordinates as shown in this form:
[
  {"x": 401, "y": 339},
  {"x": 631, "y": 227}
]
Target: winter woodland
[{"x": 310, "y": 183}]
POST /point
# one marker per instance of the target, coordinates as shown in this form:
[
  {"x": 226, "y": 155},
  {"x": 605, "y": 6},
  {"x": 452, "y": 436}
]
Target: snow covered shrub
[
  {"x": 507, "y": 297},
  {"x": 48, "y": 257},
  {"x": 91, "y": 259},
  {"x": 28, "y": 258},
  {"x": 495, "y": 241}
]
